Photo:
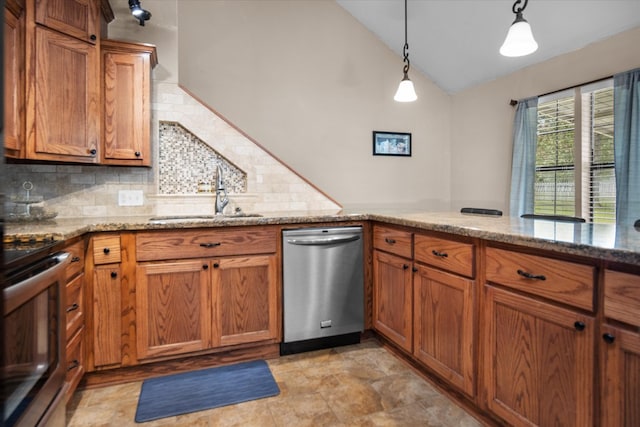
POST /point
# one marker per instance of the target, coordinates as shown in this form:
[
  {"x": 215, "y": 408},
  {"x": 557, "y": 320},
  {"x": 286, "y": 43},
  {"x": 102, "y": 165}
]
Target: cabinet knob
[
  {"x": 216, "y": 265},
  {"x": 114, "y": 274},
  {"x": 205, "y": 266},
  {"x": 137, "y": 154},
  {"x": 93, "y": 37},
  {"x": 440, "y": 254},
  {"x": 93, "y": 151},
  {"x": 74, "y": 364},
  {"x": 579, "y": 326},
  {"x": 75, "y": 259},
  {"x": 106, "y": 251},
  {"x": 608, "y": 338},
  {"x": 414, "y": 269},
  {"x": 72, "y": 307},
  {"x": 405, "y": 266}
]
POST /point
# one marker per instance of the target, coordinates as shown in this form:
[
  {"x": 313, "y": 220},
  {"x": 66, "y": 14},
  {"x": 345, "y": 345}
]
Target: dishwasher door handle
[{"x": 321, "y": 242}]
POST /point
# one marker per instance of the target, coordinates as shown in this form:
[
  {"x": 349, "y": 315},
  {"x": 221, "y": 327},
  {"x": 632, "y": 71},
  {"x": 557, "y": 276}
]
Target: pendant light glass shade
[
  {"x": 519, "y": 41},
  {"x": 406, "y": 91}
]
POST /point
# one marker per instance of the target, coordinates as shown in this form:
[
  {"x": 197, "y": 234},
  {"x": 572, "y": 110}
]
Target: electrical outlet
[{"x": 130, "y": 198}]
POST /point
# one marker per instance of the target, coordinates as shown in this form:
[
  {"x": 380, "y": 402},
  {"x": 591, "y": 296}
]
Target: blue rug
[{"x": 206, "y": 389}]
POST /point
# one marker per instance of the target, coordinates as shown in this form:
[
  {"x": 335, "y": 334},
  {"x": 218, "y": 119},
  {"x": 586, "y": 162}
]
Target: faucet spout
[{"x": 221, "y": 193}]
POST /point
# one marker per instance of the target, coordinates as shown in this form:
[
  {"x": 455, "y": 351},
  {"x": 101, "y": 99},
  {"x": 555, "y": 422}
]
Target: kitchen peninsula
[{"x": 463, "y": 298}]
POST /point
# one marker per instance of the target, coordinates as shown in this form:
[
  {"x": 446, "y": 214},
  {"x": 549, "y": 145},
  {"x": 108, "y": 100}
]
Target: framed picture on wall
[{"x": 391, "y": 143}]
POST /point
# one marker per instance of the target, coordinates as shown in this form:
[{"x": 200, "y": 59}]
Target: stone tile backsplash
[{"x": 192, "y": 138}]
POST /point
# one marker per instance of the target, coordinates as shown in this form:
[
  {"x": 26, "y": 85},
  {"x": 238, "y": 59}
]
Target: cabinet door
[
  {"x": 620, "y": 378},
  {"x": 538, "y": 362},
  {"x": 444, "y": 325},
  {"x": 13, "y": 82},
  {"x": 245, "y": 299},
  {"x": 107, "y": 315},
  {"x": 67, "y": 116},
  {"x": 392, "y": 299},
  {"x": 126, "y": 106},
  {"x": 77, "y": 18},
  {"x": 173, "y": 311}
]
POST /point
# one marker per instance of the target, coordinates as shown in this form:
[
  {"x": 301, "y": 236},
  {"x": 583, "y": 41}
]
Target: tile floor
[{"x": 358, "y": 385}]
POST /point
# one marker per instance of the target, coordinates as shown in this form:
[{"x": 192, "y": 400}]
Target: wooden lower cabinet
[
  {"x": 392, "y": 299},
  {"x": 245, "y": 299},
  {"x": 107, "y": 315},
  {"x": 193, "y": 305},
  {"x": 443, "y": 332},
  {"x": 620, "y": 381},
  {"x": 538, "y": 361},
  {"x": 173, "y": 308}
]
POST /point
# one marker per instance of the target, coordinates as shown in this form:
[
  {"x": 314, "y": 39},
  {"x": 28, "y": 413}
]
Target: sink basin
[{"x": 194, "y": 218}]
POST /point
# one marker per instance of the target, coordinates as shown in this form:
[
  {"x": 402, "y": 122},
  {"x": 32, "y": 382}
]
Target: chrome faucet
[{"x": 221, "y": 193}]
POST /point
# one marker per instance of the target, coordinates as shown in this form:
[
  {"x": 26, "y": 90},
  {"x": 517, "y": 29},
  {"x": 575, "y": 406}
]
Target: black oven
[{"x": 33, "y": 364}]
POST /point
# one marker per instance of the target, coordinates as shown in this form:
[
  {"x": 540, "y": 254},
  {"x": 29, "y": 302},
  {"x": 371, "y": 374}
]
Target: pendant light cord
[{"x": 405, "y": 48}]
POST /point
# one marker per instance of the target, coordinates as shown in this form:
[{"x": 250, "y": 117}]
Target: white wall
[
  {"x": 310, "y": 83},
  {"x": 481, "y": 136}
]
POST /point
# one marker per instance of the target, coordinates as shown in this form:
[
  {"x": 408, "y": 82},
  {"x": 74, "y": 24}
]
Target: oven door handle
[{"x": 16, "y": 295}]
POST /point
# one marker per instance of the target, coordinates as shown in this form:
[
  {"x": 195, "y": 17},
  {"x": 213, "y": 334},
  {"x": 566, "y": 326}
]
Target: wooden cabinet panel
[
  {"x": 391, "y": 240},
  {"x": 75, "y": 361},
  {"x": 245, "y": 300},
  {"x": 106, "y": 249},
  {"x": 75, "y": 305},
  {"x": 620, "y": 378},
  {"x": 538, "y": 362},
  {"x": 622, "y": 297},
  {"x": 76, "y": 265},
  {"x": 126, "y": 70},
  {"x": 444, "y": 326},
  {"x": 392, "y": 299},
  {"x": 107, "y": 314},
  {"x": 173, "y": 310},
  {"x": 65, "y": 121},
  {"x": 14, "y": 61},
  {"x": 450, "y": 255},
  {"x": 205, "y": 243},
  {"x": 77, "y": 18},
  {"x": 562, "y": 281}
]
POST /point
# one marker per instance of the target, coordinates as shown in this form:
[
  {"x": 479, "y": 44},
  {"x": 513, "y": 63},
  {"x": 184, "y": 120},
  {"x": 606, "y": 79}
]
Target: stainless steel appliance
[
  {"x": 323, "y": 283},
  {"x": 33, "y": 360}
]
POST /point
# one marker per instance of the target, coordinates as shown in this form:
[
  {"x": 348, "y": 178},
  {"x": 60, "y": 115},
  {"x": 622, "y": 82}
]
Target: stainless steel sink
[{"x": 199, "y": 218}]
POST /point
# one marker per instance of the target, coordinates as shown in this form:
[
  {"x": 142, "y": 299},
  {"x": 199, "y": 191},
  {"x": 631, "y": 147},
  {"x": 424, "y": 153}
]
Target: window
[{"x": 575, "y": 173}]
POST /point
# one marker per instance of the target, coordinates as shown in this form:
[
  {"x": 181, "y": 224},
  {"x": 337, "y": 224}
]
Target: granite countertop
[{"x": 601, "y": 241}]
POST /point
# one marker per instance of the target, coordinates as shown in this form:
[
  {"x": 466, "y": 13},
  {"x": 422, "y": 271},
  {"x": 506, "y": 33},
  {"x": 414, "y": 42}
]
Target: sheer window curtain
[
  {"x": 523, "y": 165},
  {"x": 626, "y": 139}
]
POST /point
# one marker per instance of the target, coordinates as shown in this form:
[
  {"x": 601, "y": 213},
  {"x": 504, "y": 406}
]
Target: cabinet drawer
[
  {"x": 622, "y": 297},
  {"x": 77, "y": 258},
  {"x": 106, "y": 249},
  {"x": 205, "y": 243},
  {"x": 562, "y": 281},
  {"x": 75, "y": 359},
  {"x": 456, "y": 257},
  {"x": 75, "y": 306},
  {"x": 394, "y": 241}
]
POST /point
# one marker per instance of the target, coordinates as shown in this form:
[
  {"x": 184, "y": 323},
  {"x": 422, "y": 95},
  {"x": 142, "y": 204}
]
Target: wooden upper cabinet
[
  {"x": 126, "y": 89},
  {"x": 77, "y": 18},
  {"x": 13, "y": 79},
  {"x": 63, "y": 117}
]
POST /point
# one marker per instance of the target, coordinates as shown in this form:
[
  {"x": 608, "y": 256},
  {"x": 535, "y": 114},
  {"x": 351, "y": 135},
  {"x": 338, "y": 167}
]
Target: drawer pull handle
[
  {"x": 73, "y": 365},
  {"x": 75, "y": 259},
  {"x": 608, "y": 338},
  {"x": 440, "y": 254},
  {"x": 390, "y": 241},
  {"x": 528, "y": 275},
  {"x": 72, "y": 307},
  {"x": 106, "y": 251},
  {"x": 210, "y": 245},
  {"x": 579, "y": 326}
]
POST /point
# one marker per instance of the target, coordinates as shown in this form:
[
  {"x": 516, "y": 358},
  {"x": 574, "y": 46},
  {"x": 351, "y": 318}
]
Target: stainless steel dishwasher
[{"x": 323, "y": 283}]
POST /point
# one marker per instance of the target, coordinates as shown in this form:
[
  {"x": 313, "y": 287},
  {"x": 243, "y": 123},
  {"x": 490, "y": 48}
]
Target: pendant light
[
  {"x": 519, "y": 41},
  {"x": 405, "y": 92}
]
